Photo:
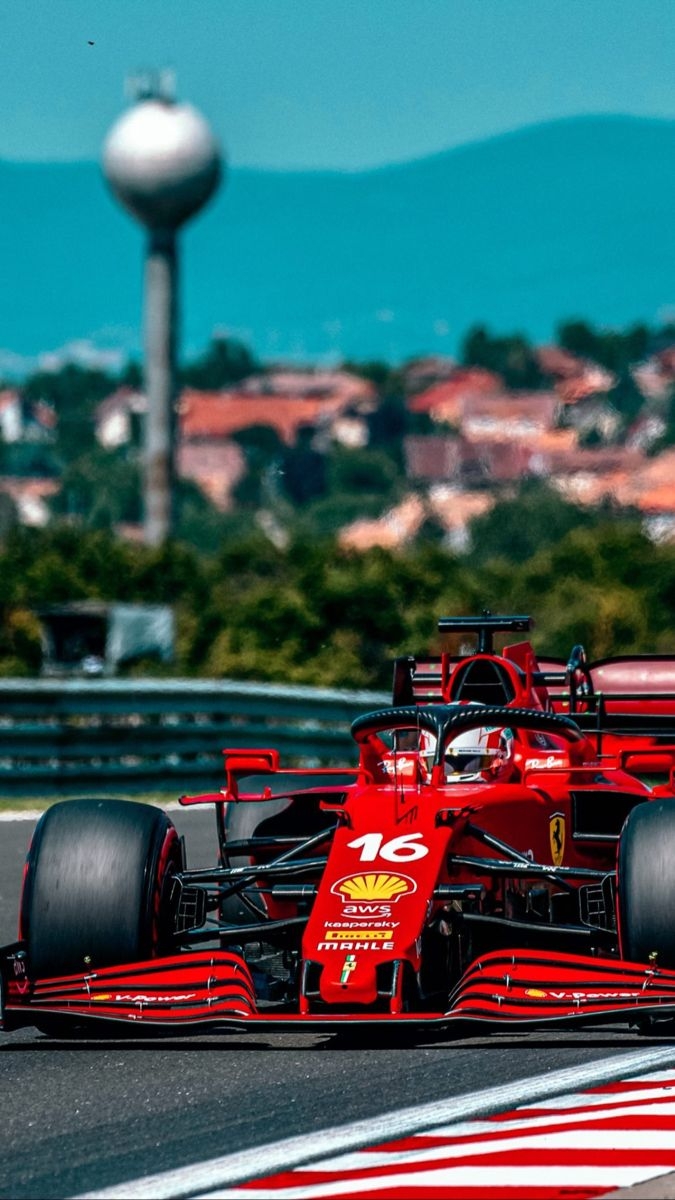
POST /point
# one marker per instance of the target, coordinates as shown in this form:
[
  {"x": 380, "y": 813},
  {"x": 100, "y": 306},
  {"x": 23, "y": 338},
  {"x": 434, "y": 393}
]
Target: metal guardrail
[{"x": 79, "y": 736}]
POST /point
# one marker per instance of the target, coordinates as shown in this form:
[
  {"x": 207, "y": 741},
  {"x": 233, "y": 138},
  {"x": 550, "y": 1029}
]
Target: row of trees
[
  {"x": 513, "y": 358},
  {"x": 314, "y": 613}
]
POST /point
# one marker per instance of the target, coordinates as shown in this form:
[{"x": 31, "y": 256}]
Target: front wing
[{"x": 187, "y": 992}]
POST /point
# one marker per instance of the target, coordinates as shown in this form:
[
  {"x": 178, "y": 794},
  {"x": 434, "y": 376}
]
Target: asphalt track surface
[{"x": 79, "y": 1117}]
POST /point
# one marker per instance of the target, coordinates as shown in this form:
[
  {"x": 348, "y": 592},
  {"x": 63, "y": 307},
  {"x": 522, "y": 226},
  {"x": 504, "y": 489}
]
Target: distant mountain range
[{"x": 569, "y": 218}]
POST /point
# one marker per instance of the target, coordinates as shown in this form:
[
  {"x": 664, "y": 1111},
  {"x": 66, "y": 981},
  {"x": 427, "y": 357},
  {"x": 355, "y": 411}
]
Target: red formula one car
[{"x": 503, "y": 851}]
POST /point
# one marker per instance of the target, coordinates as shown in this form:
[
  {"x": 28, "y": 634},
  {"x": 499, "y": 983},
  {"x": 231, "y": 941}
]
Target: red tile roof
[
  {"x": 560, "y": 363},
  {"x": 285, "y": 401},
  {"x": 204, "y": 415},
  {"x": 445, "y": 401}
]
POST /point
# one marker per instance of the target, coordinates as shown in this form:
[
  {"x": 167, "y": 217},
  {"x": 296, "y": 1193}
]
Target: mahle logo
[{"x": 373, "y": 886}]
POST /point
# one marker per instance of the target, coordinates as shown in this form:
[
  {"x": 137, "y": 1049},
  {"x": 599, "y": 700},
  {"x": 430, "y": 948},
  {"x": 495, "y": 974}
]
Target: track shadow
[{"x": 343, "y": 1039}]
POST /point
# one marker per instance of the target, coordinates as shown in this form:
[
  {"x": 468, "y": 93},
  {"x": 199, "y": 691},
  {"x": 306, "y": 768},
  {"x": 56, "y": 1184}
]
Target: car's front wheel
[{"x": 96, "y": 885}]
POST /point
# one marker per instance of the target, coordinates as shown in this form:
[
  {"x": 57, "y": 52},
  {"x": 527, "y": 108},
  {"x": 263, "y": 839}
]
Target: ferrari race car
[{"x": 502, "y": 852}]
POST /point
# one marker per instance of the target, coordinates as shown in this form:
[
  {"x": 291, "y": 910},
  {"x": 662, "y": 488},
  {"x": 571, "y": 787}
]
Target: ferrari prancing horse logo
[{"x": 556, "y": 831}]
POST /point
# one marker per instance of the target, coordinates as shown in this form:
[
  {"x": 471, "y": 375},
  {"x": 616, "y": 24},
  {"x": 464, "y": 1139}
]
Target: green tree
[
  {"x": 381, "y": 374},
  {"x": 614, "y": 349},
  {"x": 626, "y": 398},
  {"x": 304, "y": 469},
  {"x": 361, "y": 472},
  {"x": 516, "y": 528},
  {"x": 668, "y": 436},
  {"x": 73, "y": 392},
  {"x": 102, "y": 488},
  {"x": 388, "y": 425},
  {"x": 264, "y": 452},
  {"x": 225, "y": 362},
  {"x": 511, "y": 357}
]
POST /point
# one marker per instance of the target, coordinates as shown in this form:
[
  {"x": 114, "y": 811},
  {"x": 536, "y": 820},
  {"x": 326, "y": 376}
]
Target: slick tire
[
  {"x": 646, "y": 883},
  {"x": 96, "y": 886}
]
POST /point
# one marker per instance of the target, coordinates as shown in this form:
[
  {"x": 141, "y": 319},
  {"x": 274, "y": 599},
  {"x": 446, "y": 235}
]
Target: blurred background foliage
[
  {"x": 315, "y": 613},
  {"x": 265, "y": 591}
]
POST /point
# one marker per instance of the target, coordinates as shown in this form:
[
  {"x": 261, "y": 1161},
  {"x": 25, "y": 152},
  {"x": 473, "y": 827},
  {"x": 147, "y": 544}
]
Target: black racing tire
[
  {"x": 96, "y": 886},
  {"x": 646, "y": 883}
]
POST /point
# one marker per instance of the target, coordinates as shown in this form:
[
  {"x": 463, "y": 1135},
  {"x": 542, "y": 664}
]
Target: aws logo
[{"x": 373, "y": 886}]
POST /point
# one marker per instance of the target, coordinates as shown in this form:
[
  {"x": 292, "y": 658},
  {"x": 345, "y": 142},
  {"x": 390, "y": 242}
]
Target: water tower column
[
  {"x": 163, "y": 164},
  {"x": 160, "y": 338}
]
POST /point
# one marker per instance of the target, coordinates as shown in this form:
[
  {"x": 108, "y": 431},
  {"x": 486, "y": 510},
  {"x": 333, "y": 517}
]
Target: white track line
[
  {"x": 292, "y": 1152},
  {"x": 22, "y": 814},
  {"x": 34, "y": 814}
]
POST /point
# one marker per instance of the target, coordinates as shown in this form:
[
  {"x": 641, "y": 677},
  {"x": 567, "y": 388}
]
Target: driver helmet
[{"x": 477, "y": 754}]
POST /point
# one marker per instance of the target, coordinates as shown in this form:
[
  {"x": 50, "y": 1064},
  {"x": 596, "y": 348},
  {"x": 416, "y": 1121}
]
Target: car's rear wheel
[
  {"x": 96, "y": 886},
  {"x": 646, "y": 883}
]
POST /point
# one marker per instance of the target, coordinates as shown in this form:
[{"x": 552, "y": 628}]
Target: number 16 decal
[{"x": 399, "y": 849}]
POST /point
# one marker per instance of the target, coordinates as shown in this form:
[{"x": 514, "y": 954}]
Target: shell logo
[
  {"x": 373, "y": 886},
  {"x": 536, "y": 993}
]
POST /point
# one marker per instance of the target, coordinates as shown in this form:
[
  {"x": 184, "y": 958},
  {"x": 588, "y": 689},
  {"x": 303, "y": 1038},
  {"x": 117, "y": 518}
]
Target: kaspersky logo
[{"x": 373, "y": 887}]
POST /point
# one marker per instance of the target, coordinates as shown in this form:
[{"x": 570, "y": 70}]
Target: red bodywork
[{"x": 426, "y": 900}]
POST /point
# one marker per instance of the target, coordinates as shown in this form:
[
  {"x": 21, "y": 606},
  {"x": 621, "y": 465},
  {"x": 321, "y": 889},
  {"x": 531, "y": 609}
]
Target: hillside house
[
  {"x": 118, "y": 418},
  {"x": 31, "y": 497},
  {"x": 573, "y": 377},
  {"x": 559, "y": 364},
  {"x": 451, "y": 508},
  {"x": 589, "y": 476},
  {"x": 334, "y": 402},
  {"x": 25, "y": 421},
  {"x": 509, "y": 416},
  {"x": 433, "y": 457},
  {"x": 446, "y": 402},
  {"x": 654, "y": 378},
  {"x": 423, "y": 373},
  {"x": 592, "y": 413}
]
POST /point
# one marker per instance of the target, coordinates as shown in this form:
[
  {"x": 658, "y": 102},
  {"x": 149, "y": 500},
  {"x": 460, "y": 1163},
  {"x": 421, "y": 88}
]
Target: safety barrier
[{"x": 79, "y": 736}]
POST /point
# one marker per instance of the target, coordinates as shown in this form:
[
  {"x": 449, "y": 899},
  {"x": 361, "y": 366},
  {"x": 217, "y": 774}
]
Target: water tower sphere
[{"x": 162, "y": 162}]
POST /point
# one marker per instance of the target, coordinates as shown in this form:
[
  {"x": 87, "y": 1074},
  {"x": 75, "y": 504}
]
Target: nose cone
[{"x": 162, "y": 162}]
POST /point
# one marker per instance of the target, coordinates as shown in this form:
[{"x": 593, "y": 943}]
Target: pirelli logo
[{"x": 364, "y": 935}]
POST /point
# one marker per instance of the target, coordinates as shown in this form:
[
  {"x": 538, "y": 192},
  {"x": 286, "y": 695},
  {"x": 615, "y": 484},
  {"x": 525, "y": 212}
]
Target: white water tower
[{"x": 163, "y": 163}]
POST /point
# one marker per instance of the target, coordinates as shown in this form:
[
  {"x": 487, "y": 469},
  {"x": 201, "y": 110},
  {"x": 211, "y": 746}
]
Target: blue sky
[{"x": 330, "y": 83}]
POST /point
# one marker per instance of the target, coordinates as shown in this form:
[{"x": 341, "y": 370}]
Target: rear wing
[
  {"x": 424, "y": 679},
  {"x": 630, "y": 695},
  {"x": 637, "y": 686},
  {"x": 419, "y": 680}
]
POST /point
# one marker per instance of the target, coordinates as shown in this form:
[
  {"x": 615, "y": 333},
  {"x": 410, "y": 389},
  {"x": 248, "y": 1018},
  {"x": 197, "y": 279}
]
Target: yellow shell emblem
[
  {"x": 373, "y": 886},
  {"x": 556, "y": 831}
]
